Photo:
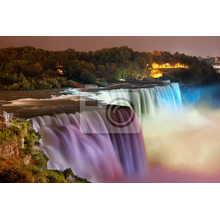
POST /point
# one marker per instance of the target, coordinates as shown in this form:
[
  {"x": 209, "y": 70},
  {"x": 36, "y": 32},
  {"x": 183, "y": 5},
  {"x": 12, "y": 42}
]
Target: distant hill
[{"x": 32, "y": 68}]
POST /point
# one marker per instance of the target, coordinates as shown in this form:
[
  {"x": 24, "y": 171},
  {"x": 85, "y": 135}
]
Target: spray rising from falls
[{"x": 106, "y": 144}]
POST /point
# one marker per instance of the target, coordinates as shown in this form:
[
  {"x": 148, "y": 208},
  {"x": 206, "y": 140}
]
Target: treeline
[
  {"x": 31, "y": 68},
  {"x": 199, "y": 69}
]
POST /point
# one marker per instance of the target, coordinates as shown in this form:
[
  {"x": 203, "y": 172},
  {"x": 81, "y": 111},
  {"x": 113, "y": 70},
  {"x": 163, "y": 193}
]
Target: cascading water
[
  {"x": 146, "y": 102},
  {"x": 91, "y": 146},
  {"x": 106, "y": 144}
]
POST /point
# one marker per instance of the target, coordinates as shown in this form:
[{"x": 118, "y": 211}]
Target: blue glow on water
[{"x": 205, "y": 95}]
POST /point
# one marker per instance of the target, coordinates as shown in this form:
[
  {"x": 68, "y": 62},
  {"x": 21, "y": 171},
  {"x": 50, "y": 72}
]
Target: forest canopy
[{"x": 31, "y": 68}]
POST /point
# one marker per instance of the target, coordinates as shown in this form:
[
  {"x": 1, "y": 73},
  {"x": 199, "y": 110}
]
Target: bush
[
  {"x": 42, "y": 84},
  {"x": 6, "y": 135},
  {"x": 13, "y": 87},
  {"x": 101, "y": 82},
  {"x": 71, "y": 83},
  {"x": 87, "y": 77},
  {"x": 25, "y": 85},
  {"x": 62, "y": 82},
  {"x": 53, "y": 82},
  {"x": 15, "y": 129},
  {"x": 19, "y": 86},
  {"x": 13, "y": 172}
]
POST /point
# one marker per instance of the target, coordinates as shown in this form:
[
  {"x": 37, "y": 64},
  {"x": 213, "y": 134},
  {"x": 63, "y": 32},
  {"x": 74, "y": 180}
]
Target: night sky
[{"x": 190, "y": 45}]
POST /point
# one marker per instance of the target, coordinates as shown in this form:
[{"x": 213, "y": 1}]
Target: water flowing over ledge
[
  {"x": 106, "y": 144},
  {"x": 97, "y": 155},
  {"x": 147, "y": 102}
]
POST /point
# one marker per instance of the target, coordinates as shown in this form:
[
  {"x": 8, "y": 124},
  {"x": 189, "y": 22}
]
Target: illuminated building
[
  {"x": 156, "y": 73},
  {"x": 167, "y": 65},
  {"x": 216, "y": 66}
]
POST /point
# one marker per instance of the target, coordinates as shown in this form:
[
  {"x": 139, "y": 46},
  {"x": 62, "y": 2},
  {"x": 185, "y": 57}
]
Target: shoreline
[{"x": 31, "y": 103}]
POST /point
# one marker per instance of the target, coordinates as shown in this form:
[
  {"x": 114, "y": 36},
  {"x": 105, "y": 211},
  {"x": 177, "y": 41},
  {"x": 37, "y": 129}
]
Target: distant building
[
  {"x": 216, "y": 66},
  {"x": 214, "y": 62},
  {"x": 217, "y": 60},
  {"x": 168, "y": 66}
]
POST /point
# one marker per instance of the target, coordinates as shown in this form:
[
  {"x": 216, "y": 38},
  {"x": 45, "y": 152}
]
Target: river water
[
  {"x": 27, "y": 104},
  {"x": 31, "y": 103}
]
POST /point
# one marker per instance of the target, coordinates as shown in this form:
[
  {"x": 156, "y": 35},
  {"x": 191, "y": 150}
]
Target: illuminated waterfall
[
  {"x": 91, "y": 146},
  {"x": 147, "y": 102},
  {"x": 101, "y": 145}
]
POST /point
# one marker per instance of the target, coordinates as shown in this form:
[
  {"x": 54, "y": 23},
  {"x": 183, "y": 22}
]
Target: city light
[
  {"x": 156, "y": 73},
  {"x": 167, "y": 65}
]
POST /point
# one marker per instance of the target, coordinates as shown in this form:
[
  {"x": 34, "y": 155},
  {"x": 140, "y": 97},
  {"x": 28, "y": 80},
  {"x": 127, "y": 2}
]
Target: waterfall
[
  {"x": 93, "y": 147},
  {"x": 106, "y": 144},
  {"x": 146, "y": 102}
]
